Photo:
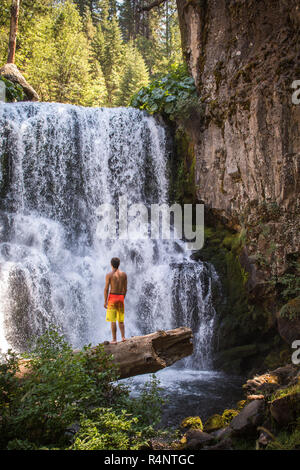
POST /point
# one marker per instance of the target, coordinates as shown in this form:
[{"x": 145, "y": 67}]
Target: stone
[
  {"x": 225, "y": 444},
  {"x": 11, "y": 72},
  {"x": 192, "y": 422},
  {"x": 285, "y": 409},
  {"x": 196, "y": 439},
  {"x": 248, "y": 419},
  {"x": 247, "y": 106},
  {"x": 222, "y": 433},
  {"x": 288, "y": 321},
  {"x": 213, "y": 423}
]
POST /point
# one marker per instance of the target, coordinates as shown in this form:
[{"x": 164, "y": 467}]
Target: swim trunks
[{"x": 115, "y": 308}]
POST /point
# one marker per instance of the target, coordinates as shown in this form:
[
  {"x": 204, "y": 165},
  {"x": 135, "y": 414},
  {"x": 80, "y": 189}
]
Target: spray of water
[{"x": 59, "y": 163}]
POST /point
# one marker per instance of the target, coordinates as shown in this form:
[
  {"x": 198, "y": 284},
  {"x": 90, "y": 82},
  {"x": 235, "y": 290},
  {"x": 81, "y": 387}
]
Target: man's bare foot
[
  {"x": 123, "y": 339},
  {"x": 113, "y": 342}
]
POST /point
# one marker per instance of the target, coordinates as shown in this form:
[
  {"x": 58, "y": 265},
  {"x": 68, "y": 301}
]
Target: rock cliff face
[{"x": 244, "y": 56}]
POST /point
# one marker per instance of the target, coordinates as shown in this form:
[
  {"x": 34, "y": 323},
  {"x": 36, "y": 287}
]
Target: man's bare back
[
  {"x": 114, "y": 295},
  {"x": 118, "y": 282}
]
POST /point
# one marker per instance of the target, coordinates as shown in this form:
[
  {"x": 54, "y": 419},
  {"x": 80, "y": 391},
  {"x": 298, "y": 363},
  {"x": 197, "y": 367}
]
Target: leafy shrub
[
  {"x": 14, "y": 91},
  {"x": 61, "y": 389},
  {"x": 173, "y": 94},
  {"x": 106, "y": 430}
]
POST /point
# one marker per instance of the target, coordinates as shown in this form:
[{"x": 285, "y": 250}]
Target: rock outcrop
[
  {"x": 244, "y": 57},
  {"x": 12, "y": 73},
  {"x": 258, "y": 420}
]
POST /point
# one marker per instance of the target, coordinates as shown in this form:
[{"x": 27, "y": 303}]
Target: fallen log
[
  {"x": 150, "y": 353},
  {"x": 143, "y": 354}
]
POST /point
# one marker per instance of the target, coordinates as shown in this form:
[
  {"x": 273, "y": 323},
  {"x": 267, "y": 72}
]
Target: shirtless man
[{"x": 116, "y": 280}]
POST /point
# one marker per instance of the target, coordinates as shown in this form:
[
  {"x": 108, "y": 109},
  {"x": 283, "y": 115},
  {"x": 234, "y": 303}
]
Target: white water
[{"x": 64, "y": 161}]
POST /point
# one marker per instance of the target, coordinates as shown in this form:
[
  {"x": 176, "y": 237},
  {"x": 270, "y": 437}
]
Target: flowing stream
[{"x": 59, "y": 163}]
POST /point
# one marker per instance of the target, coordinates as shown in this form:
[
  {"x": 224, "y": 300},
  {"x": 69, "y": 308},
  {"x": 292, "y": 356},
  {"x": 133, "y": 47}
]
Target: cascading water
[{"x": 59, "y": 163}]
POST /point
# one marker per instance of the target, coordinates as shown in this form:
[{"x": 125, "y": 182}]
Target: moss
[
  {"x": 183, "y": 187},
  {"x": 245, "y": 73},
  {"x": 277, "y": 357},
  {"x": 288, "y": 391},
  {"x": 218, "y": 73},
  {"x": 241, "y": 404},
  {"x": 192, "y": 422},
  {"x": 291, "y": 309},
  {"x": 228, "y": 416},
  {"x": 240, "y": 323},
  {"x": 214, "y": 423}
]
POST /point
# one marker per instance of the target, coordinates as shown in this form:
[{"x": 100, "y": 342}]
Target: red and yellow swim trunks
[{"x": 115, "y": 308}]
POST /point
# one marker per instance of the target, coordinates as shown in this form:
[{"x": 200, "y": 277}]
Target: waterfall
[{"x": 58, "y": 164}]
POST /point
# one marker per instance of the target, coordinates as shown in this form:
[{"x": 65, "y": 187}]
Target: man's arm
[
  {"x": 125, "y": 284},
  {"x": 106, "y": 289}
]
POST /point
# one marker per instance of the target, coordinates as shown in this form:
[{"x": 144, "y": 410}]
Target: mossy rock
[
  {"x": 288, "y": 320},
  {"x": 192, "y": 422},
  {"x": 214, "y": 423},
  {"x": 286, "y": 409},
  {"x": 228, "y": 416},
  {"x": 241, "y": 404},
  {"x": 291, "y": 310}
]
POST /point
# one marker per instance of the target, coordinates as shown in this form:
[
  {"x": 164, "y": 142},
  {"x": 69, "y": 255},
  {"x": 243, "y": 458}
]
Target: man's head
[{"x": 115, "y": 262}]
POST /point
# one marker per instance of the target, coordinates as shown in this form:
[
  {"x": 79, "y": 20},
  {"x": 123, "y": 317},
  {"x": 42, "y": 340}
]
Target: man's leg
[
  {"x": 114, "y": 332},
  {"x": 122, "y": 329}
]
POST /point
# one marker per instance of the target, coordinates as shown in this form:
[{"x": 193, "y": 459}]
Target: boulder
[
  {"x": 248, "y": 419},
  {"x": 288, "y": 320},
  {"x": 222, "y": 434},
  {"x": 214, "y": 423},
  {"x": 270, "y": 382},
  {"x": 286, "y": 409},
  {"x": 11, "y": 72},
  {"x": 192, "y": 422},
  {"x": 225, "y": 444},
  {"x": 196, "y": 439}
]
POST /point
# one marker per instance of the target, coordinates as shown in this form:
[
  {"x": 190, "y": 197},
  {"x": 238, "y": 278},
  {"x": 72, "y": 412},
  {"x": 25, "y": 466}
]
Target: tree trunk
[
  {"x": 15, "y": 7},
  {"x": 150, "y": 353},
  {"x": 143, "y": 354}
]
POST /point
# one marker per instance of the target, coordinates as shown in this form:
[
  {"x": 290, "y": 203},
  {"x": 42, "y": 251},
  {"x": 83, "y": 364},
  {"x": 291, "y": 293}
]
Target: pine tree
[{"x": 135, "y": 75}]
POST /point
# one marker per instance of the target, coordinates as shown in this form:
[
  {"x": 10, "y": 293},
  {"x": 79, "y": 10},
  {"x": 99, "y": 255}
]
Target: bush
[
  {"x": 173, "y": 94},
  {"x": 62, "y": 389},
  {"x": 14, "y": 91},
  {"x": 106, "y": 430}
]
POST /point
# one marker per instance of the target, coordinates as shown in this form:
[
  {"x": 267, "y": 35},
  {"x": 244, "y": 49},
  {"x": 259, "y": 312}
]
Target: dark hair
[{"x": 115, "y": 262}]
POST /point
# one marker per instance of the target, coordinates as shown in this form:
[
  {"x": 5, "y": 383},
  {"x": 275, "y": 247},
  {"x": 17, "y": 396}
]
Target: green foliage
[
  {"x": 288, "y": 286},
  {"x": 13, "y": 91},
  {"x": 173, "y": 94},
  {"x": 61, "y": 388},
  {"x": 287, "y": 440},
  {"x": 107, "y": 430},
  {"x": 148, "y": 407},
  {"x": 134, "y": 77},
  {"x": 128, "y": 426},
  {"x": 85, "y": 52}
]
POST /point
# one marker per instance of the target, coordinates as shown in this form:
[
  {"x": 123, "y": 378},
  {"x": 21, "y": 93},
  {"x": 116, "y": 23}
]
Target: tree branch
[{"x": 152, "y": 5}]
